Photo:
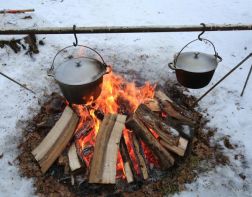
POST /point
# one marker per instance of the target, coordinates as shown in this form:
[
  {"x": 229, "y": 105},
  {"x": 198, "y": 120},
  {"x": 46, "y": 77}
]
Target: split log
[
  {"x": 165, "y": 158},
  {"x": 56, "y": 140},
  {"x": 128, "y": 172},
  {"x": 103, "y": 165},
  {"x": 179, "y": 149},
  {"x": 172, "y": 109},
  {"x": 100, "y": 147},
  {"x": 109, "y": 169},
  {"x": 139, "y": 154},
  {"x": 127, "y": 162},
  {"x": 74, "y": 161}
]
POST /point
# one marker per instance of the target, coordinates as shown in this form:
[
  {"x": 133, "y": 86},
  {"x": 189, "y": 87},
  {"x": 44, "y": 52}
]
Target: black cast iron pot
[
  {"x": 194, "y": 69},
  {"x": 80, "y": 79}
]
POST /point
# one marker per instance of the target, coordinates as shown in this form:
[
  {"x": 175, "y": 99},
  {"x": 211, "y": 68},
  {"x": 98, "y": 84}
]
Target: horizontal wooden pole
[{"x": 127, "y": 29}]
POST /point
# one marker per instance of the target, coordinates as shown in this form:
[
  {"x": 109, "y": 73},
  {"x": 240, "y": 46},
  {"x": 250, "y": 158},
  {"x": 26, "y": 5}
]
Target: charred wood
[
  {"x": 154, "y": 122},
  {"x": 172, "y": 109},
  {"x": 135, "y": 124}
]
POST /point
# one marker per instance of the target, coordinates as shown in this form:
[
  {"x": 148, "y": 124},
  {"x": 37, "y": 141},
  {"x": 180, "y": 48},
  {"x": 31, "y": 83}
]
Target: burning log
[
  {"x": 169, "y": 137},
  {"x": 155, "y": 123},
  {"x": 141, "y": 160},
  {"x": 165, "y": 158},
  {"x": 56, "y": 140},
  {"x": 85, "y": 129},
  {"x": 172, "y": 109},
  {"x": 103, "y": 165},
  {"x": 109, "y": 171},
  {"x": 102, "y": 138},
  {"x": 74, "y": 161},
  {"x": 127, "y": 162}
]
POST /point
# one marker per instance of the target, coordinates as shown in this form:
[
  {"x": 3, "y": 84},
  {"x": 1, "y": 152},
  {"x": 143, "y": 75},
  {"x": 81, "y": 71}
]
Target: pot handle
[
  {"x": 50, "y": 71},
  {"x": 171, "y": 66},
  {"x": 108, "y": 69},
  {"x": 218, "y": 57},
  {"x": 200, "y": 39}
]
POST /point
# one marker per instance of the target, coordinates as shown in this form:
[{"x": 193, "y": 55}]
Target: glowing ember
[{"x": 118, "y": 96}]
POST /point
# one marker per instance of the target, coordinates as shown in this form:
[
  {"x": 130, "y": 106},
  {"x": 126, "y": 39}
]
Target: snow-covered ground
[{"x": 146, "y": 53}]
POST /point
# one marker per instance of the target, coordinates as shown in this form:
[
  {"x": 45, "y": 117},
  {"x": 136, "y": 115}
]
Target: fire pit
[{"x": 128, "y": 137}]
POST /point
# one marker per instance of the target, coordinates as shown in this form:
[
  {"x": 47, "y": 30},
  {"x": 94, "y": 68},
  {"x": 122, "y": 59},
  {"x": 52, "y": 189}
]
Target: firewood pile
[
  {"x": 159, "y": 127},
  {"x": 28, "y": 43}
]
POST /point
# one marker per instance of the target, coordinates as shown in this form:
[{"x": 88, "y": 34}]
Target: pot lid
[
  {"x": 196, "y": 62},
  {"x": 78, "y": 71}
]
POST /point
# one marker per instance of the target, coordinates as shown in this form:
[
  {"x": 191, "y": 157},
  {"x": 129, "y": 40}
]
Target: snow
[{"x": 146, "y": 53}]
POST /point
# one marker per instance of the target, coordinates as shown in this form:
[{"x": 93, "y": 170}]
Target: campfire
[{"x": 123, "y": 135}]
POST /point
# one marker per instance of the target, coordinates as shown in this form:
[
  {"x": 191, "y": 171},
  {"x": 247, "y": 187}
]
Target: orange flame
[{"x": 117, "y": 96}]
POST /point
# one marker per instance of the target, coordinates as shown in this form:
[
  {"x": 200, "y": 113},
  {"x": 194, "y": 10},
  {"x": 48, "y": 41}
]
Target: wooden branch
[
  {"x": 136, "y": 125},
  {"x": 103, "y": 165},
  {"x": 172, "y": 109},
  {"x": 16, "y": 11},
  {"x": 56, "y": 140},
  {"x": 74, "y": 161},
  {"x": 140, "y": 157},
  {"x": 127, "y": 162},
  {"x": 127, "y": 29}
]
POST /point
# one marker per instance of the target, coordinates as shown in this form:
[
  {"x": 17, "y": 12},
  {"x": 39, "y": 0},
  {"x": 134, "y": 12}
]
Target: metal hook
[
  {"x": 203, "y": 31},
  {"x": 75, "y": 36}
]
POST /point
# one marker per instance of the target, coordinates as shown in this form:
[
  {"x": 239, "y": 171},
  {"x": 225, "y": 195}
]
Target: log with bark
[
  {"x": 56, "y": 140},
  {"x": 168, "y": 136},
  {"x": 135, "y": 124},
  {"x": 172, "y": 109},
  {"x": 156, "y": 123}
]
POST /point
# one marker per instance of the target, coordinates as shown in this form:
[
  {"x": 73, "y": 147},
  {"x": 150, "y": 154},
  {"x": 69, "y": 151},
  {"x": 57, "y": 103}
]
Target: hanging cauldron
[
  {"x": 195, "y": 69},
  {"x": 80, "y": 79}
]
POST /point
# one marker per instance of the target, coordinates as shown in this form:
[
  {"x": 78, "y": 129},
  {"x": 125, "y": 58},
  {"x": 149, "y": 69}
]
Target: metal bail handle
[
  {"x": 50, "y": 71},
  {"x": 200, "y": 39}
]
